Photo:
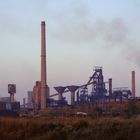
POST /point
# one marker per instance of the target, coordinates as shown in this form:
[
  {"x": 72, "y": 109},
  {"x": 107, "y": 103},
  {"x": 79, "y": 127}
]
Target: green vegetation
[{"x": 69, "y": 129}]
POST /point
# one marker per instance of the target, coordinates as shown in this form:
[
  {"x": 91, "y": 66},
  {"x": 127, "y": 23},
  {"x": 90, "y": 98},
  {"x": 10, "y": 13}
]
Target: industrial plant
[{"x": 96, "y": 92}]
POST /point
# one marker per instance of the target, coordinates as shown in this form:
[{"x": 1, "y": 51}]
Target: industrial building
[
  {"x": 30, "y": 99},
  {"x": 6, "y": 101},
  {"x": 8, "y": 105},
  {"x": 2, "y": 105},
  {"x": 96, "y": 91}
]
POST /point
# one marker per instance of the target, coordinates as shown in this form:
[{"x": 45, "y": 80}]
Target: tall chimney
[
  {"x": 24, "y": 102},
  {"x": 133, "y": 84},
  {"x": 110, "y": 87},
  {"x": 43, "y": 67}
]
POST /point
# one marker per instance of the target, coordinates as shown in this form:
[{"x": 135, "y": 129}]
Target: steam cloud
[{"x": 77, "y": 26}]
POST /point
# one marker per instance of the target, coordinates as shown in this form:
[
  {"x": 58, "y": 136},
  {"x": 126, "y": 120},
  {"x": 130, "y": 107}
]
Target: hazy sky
[{"x": 81, "y": 34}]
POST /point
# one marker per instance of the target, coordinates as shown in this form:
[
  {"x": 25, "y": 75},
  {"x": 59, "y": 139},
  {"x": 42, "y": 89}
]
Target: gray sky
[{"x": 81, "y": 34}]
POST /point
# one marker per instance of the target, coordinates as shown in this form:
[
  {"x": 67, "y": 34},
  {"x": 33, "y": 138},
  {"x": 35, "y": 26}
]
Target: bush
[
  {"x": 69, "y": 129},
  {"x": 131, "y": 109}
]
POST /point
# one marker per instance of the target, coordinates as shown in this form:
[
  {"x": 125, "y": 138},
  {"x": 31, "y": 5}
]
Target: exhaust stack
[
  {"x": 43, "y": 67},
  {"x": 110, "y": 87},
  {"x": 133, "y": 84}
]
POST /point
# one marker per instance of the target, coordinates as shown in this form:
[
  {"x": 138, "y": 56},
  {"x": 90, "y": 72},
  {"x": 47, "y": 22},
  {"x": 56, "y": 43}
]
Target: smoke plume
[{"x": 78, "y": 26}]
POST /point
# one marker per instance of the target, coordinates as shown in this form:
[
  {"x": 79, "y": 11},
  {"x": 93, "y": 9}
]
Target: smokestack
[
  {"x": 133, "y": 84},
  {"x": 43, "y": 67},
  {"x": 24, "y": 102},
  {"x": 110, "y": 87}
]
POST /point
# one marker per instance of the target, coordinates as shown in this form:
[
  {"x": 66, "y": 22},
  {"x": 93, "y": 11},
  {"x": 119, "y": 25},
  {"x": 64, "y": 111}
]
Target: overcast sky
[{"x": 81, "y": 34}]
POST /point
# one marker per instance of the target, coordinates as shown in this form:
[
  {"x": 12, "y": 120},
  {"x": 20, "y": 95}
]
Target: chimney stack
[
  {"x": 133, "y": 84},
  {"x": 43, "y": 67},
  {"x": 24, "y": 102},
  {"x": 110, "y": 87}
]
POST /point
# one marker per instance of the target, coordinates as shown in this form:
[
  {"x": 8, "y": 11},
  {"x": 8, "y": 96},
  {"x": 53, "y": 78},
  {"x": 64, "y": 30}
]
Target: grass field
[{"x": 69, "y": 129}]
